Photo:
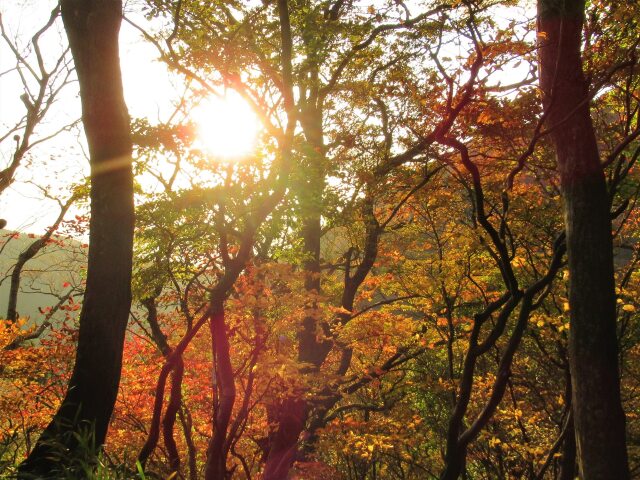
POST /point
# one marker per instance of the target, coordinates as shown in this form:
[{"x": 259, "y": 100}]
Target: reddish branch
[
  {"x": 169, "y": 419},
  {"x": 218, "y": 449}
]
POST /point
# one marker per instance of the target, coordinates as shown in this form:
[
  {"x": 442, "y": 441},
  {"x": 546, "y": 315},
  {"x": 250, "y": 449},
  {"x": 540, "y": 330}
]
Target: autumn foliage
[{"x": 381, "y": 289}]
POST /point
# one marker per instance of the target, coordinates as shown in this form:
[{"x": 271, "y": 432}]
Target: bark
[
  {"x": 292, "y": 414},
  {"x": 169, "y": 420},
  {"x": 593, "y": 351},
  {"x": 311, "y": 195},
  {"x": 457, "y": 439},
  {"x": 187, "y": 429},
  {"x": 312, "y": 351},
  {"x": 175, "y": 398},
  {"x": 159, "y": 338},
  {"x": 291, "y": 419},
  {"x": 172, "y": 360},
  {"x": 568, "y": 461},
  {"x": 92, "y": 28},
  {"x": 219, "y": 445}
]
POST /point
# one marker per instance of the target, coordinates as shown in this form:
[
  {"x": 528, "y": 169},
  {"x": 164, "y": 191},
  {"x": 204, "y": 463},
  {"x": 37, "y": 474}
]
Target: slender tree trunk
[
  {"x": 291, "y": 419},
  {"x": 92, "y": 27},
  {"x": 567, "y": 464},
  {"x": 598, "y": 415},
  {"x": 293, "y": 412},
  {"x": 187, "y": 429},
  {"x": 30, "y": 252},
  {"x": 568, "y": 461},
  {"x": 219, "y": 444}
]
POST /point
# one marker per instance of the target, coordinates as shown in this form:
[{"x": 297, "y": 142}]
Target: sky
[
  {"x": 50, "y": 168},
  {"x": 150, "y": 92},
  {"x": 54, "y": 164}
]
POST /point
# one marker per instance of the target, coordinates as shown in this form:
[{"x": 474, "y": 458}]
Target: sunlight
[{"x": 227, "y": 127}]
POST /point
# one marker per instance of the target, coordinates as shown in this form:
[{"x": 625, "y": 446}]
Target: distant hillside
[{"x": 56, "y": 269}]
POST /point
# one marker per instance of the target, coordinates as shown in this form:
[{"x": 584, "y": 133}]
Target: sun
[{"x": 227, "y": 127}]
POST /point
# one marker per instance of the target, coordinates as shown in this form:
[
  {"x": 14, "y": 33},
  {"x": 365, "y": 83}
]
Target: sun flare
[{"x": 227, "y": 127}]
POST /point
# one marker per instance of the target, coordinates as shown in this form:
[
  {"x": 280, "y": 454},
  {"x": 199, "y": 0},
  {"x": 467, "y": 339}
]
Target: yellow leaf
[
  {"x": 629, "y": 308},
  {"x": 494, "y": 441},
  {"x": 484, "y": 118}
]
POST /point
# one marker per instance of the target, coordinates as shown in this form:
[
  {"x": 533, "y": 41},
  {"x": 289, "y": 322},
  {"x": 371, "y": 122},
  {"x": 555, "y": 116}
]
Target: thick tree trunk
[
  {"x": 293, "y": 413},
  {"x": 598, "y": 416},
  {"x": 291, "y": 419},
  {"x": 92, "y": 27}
]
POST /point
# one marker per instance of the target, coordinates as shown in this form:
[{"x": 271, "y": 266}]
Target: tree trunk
[
  {"x": 567, "y": 469},
  {"x": 219, "y": 444},
  {"x": 31, "y": 251},
  {"x": 293, "y": 412},
  {"x": 291, "y": 418},
  {"x": 92, "y": 27},
  {"x": 598, "y": 415}
]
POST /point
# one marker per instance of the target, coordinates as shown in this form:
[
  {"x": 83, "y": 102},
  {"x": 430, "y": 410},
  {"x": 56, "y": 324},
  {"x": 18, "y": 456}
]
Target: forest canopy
[{"x": 320, "y": 239}]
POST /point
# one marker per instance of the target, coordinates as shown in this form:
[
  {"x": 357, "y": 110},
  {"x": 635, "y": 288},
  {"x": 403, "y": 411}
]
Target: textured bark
[
  {"x": 92, "y": 28},
  {"x": 598, "y": 415},
  {"x": 169, "y": 420}
]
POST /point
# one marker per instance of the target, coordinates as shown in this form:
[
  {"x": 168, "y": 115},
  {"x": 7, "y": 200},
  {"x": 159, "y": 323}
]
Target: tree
[
  {"x": 593, "y": 350},
  {"x": 383, "y": 277},
  {"x": 30, "y": 252},
  {"x": 92, "y": 28},
  {"x": 43, "y": 79}
]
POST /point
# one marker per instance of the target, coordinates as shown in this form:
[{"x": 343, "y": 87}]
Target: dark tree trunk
[
  {"x": 293, "y": 412},
  {"x": 92, "y": 27},
  {"x": 219, "y": 444},
  {"x": 598, "y": 415},
  {"x": 291, "y": 418},
  {"x": 568, "y": 461}
]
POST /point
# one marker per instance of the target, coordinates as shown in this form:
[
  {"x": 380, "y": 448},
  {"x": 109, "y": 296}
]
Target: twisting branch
[
  {"x": 49, "y": 84},
  {"x": 31, "y": 251},
  {"x": 46, "y": 323}
]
